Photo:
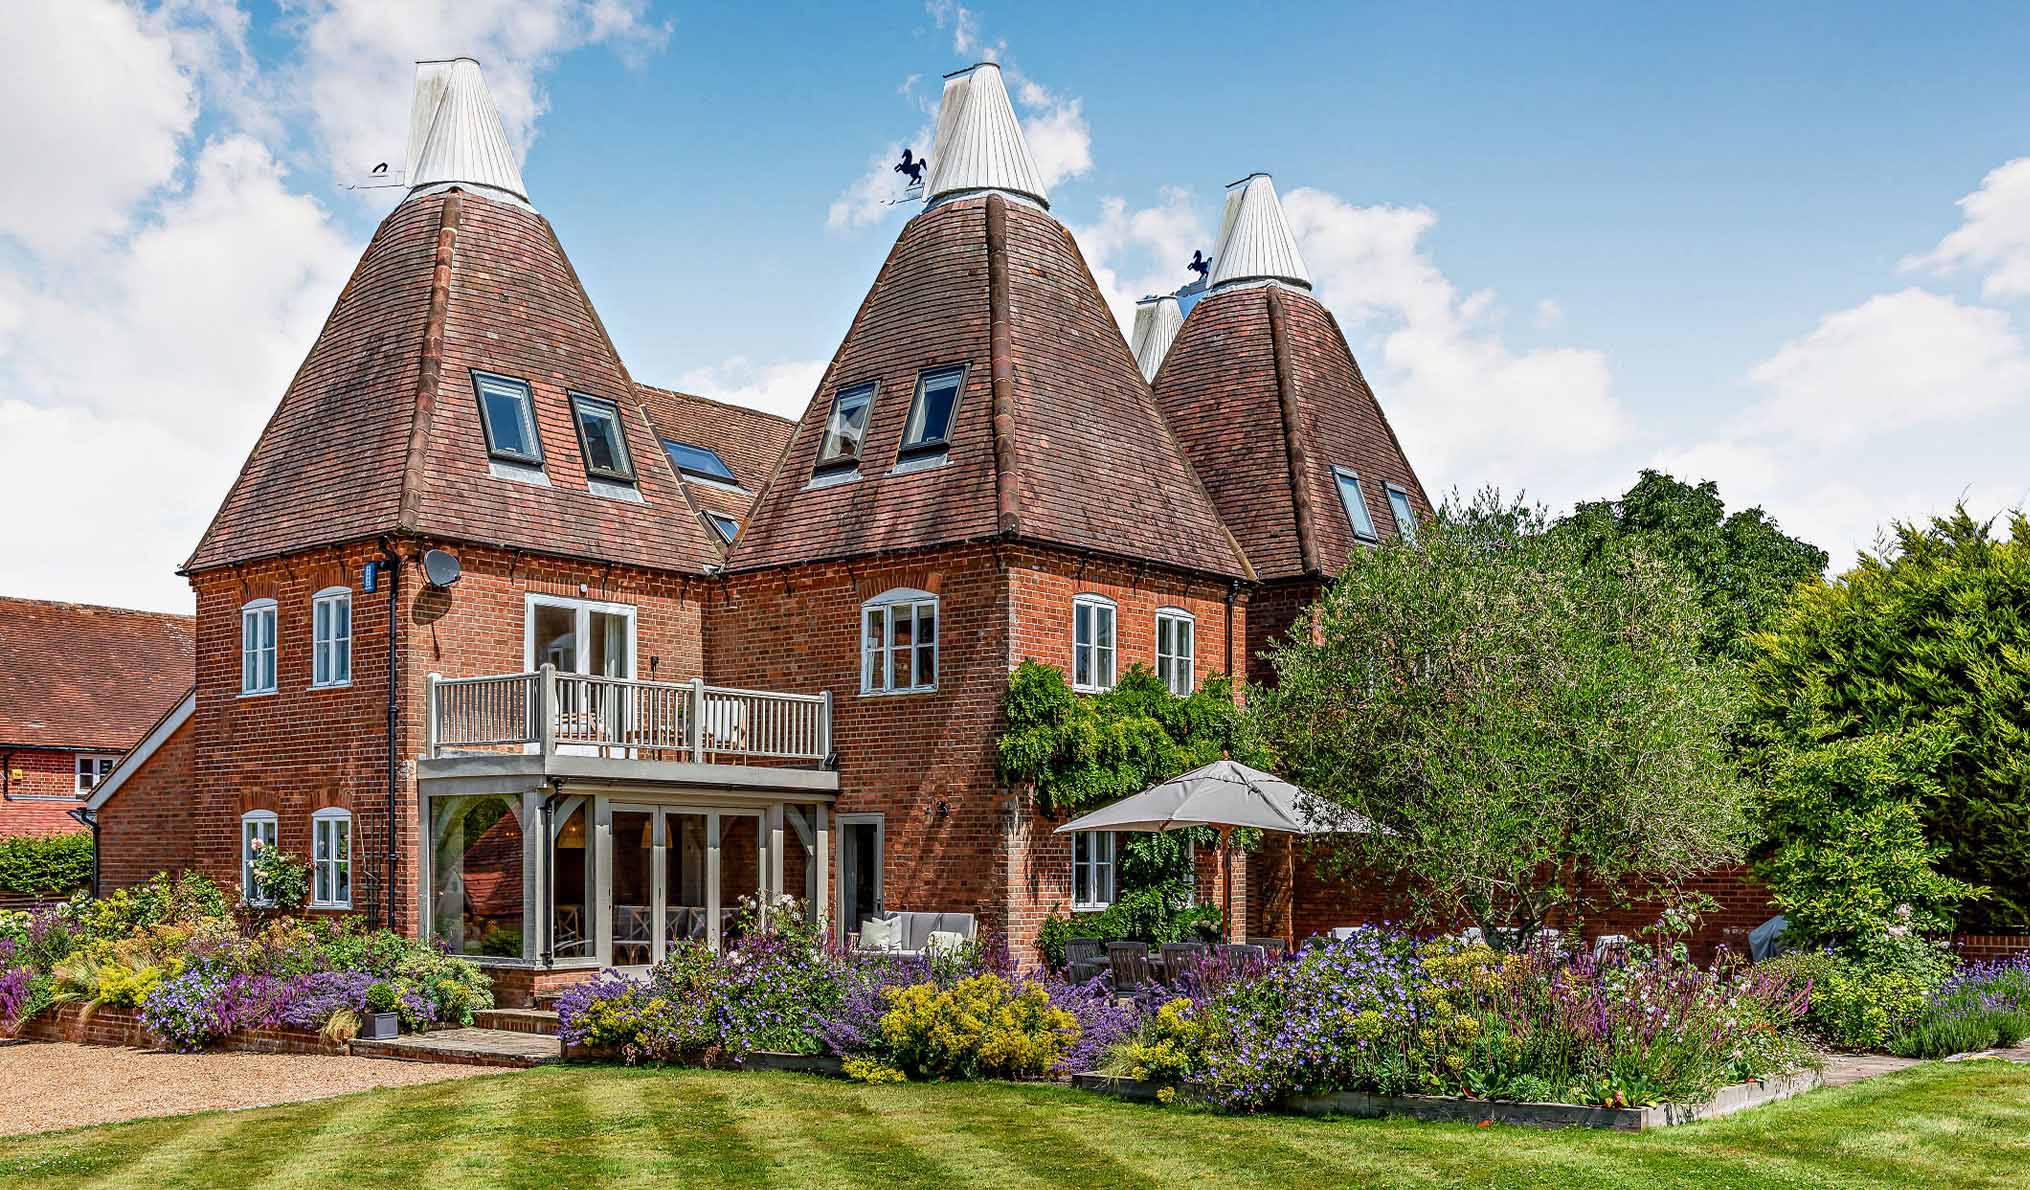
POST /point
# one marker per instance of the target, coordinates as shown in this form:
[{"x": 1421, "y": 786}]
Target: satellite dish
[{"x": 440, "y": 567}]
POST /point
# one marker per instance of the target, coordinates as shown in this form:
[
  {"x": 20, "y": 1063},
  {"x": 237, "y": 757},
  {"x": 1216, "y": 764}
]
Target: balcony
[{"x": 552, "y": 724}]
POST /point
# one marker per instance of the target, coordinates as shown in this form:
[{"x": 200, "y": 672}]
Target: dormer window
[
  {"x": 1355, "y": 503},
  {"x": 725, "y": 526},
  {"x": 601, "y": 437},
  {"x": 930, "y": 414},
  {"x": 507, "y": 411},
  {"x": 695, "y": 462},
  {"x": 1406, "y": 517},
  {"x": 847, "y": 427}
]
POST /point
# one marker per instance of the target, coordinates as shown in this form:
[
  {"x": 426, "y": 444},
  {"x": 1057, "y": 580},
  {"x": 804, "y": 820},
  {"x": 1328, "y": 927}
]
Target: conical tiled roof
[
  {"x": 1156, "y": 322},
  {"x": 1261, "y": 386},
  {"x": 1255, "y": 243},
  {"x": 455, "y": 134},
  {"x": 979, "y": 146},
  {"x": 380, "y": 433},
  {"x": 1055, "y": 439}
]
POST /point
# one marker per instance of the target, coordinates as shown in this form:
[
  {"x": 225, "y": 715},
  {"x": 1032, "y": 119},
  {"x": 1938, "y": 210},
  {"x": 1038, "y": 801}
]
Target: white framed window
[
  {"x": 846, "y": 428},
  {"x": 331, "y": 859},
  {"x": 578, "y": 636},
  {"x": 1092, "y": 643},
  {"x": 1355, "y": 502},
  {"x": 92, "y": 768},
  {"x": 257, "y": 830},
  {"x": 507, "y": 412},
  {"x": 1175, "y": 630},
  {"x": 930, "y": 413},
  {"x": 1092, "y": 870},
  {"x": 898, "y": 642},
  {"x": 1406, "y": 517},
  {"x": 257, "y": 647},
  {"x": 331, "y": 637}
]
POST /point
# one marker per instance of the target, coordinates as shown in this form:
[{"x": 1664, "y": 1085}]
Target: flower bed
[
  {"x": 1386, "y": 1014},
  {"x": 1982, "y": 1006},
  {"x": 194, "y": 975}
]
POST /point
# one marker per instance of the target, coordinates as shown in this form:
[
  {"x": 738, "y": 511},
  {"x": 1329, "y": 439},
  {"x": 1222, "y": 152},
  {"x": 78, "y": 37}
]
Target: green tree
[
  {"x": 1527, "y": 721},
  {"x": 1930, "y": 636},
  {"x": 1742, "y": 565}
]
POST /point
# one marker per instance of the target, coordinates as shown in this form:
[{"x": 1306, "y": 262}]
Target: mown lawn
[{"x": 1960, "y": 1124}]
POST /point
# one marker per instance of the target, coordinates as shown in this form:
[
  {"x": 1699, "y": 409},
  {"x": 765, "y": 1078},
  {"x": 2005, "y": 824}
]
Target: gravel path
[{"x": 47, "y": 1085}]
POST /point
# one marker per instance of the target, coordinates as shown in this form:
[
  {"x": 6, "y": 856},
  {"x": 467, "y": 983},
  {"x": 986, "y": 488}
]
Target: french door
[{"x": 678, "y": 875}]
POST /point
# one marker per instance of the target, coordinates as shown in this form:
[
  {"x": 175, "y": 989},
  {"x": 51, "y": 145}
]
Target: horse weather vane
[
  {"x": 1199, "y": 264},
  {"x": 911, "y": 166}
]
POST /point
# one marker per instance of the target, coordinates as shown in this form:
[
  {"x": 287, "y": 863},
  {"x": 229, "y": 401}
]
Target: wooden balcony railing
[{"x": 549, "y": 712}]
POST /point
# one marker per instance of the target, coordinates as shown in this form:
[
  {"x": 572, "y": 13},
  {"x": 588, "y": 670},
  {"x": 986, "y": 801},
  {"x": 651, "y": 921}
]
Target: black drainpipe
[
  {"x": 548, "y": 857},
  {"x": 84, "y": 817},
  {"x": 1233, "y": 587},
  {"x": 7, "y": 775},
  {"x": 394, "y": 568}
]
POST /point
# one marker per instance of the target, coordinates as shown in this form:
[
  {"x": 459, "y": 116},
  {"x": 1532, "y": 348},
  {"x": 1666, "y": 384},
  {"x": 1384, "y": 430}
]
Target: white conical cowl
[
  {"x": 1255, "y": 243},
  {"x": 1156, "y": 323},
  {"x": 979, "y": 144},
  {"x": 455, "y": 134}
]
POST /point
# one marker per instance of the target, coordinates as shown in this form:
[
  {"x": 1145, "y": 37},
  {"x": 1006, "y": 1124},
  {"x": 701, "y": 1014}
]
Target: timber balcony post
[
  {"x": 698, "y": 720},
  {"x": 546, "y": 708}
]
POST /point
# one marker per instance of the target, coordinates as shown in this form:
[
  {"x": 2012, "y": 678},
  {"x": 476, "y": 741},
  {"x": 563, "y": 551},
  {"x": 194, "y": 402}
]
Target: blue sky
[{"x": 1565, "y": 243}]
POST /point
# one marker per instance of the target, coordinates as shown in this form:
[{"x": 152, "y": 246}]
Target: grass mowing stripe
[
  {"x": 1031, "y": 1137},
  {"x": 191, "y": 1155},
  {"x": 697, "y": 1133},
  {"x": 819, "y": 1131}
]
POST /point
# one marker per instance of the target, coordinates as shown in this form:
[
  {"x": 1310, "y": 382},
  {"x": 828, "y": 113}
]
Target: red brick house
[
  {"x": 554, "y": 666},
  {"x": 82, "y": 685}
]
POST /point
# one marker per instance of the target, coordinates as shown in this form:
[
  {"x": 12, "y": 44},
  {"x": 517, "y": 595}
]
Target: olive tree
[{"x": 1524, "y": 720}]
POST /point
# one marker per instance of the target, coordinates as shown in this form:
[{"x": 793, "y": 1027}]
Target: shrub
[
  {"x": 188, "y": 1011},
  {"x": 281, "y": 880},
  {"x": 46, "y": 866},
  {"x": 1863, "y": 997},
  {"x": 982, "y": 1027}
]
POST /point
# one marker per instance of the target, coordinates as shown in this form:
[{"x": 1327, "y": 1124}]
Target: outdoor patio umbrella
[{"x": 1223, "y": 795}]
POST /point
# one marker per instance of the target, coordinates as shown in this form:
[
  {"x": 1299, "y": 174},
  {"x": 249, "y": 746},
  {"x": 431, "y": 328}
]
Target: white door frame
[{"x": 842, "y": 824}]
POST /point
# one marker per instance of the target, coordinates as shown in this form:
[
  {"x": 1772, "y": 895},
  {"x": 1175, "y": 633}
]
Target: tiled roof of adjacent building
[
  {"x": 747, "y": 440},
  {"x": 1073, "y": 453},
  {"x": 1260, "y": 384},
  {"x": 79, "y": 676}
]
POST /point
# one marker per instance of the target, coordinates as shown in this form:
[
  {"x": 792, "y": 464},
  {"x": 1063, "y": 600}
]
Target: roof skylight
[
  {"x": 695, "y": 462},
  {"x": 601, "y": 435},
  {"x": 1356, "y": 504},
  {"x": 507, "y": 413}
]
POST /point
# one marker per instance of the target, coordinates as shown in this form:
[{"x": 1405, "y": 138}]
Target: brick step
[
  {"x": 466, "y": 1047},
  {"x": 540, "y": 1021}
]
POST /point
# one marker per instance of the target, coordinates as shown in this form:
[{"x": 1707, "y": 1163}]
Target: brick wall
[
  {"x": 1321, "y": 902},
  {"x": 123, "y": 1027},
  {"x": 1975, "y": 948},
  {"x": 1272, "y": 610},
  {"x": 300, "y": 749},
  {"x": 955, "y": 837},
  {"x": 145, "y": 827},
  {"x": 34, "y": 774}
]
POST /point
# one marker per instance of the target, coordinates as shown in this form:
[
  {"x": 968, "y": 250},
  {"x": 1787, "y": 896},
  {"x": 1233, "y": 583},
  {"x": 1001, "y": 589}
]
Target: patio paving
[
  {"x": 55, "y": 1084},
  {"x": 474, "y": 1047}
]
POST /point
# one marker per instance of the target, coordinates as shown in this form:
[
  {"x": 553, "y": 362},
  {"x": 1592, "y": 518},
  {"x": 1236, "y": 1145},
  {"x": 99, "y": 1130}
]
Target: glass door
[
  {"x": 860, "y": 845},
  {"x": 678, "y": 875}
]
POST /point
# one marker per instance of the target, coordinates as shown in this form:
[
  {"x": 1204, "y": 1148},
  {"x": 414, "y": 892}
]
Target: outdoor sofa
[{"x": 907, "y": 935}]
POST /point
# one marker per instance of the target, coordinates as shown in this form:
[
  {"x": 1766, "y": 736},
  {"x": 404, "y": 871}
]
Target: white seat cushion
[{"x": 881, "y": 933}]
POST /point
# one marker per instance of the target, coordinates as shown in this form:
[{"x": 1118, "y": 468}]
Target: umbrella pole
[{"x": 1226, "y": 870}]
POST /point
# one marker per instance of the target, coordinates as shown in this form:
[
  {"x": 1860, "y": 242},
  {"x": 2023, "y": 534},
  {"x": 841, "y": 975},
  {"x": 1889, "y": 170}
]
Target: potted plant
[{"x": 383, "y": 1017}]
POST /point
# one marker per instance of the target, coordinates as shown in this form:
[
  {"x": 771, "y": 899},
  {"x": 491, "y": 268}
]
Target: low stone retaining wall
[
  {"x": 1726, "y": 1101},
  {"x": 123, "y": 1027}
]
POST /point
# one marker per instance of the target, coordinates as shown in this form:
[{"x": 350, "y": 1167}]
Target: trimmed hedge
[{"x": 46, "y": 866}]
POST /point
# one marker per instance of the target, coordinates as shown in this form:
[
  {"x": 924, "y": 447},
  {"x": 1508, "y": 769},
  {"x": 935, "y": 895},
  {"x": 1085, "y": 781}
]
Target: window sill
[
  {"x": 1092, "y": 907},
  {"x": 260, "y": 693},
  {"x": 898, "y": 693},
  {"x": 528, "y": 473},
  {"x": 833, "y": 477},
  {"x": 614, "y": 489},
  {"x": 345, "y": 685},
  {"x": 1078, "y": 689},
  {"x": 345, "y": 906},
  {"x": 922, "y": 459}
]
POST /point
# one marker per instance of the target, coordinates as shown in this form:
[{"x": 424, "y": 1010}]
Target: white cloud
[
  {"x": 1895, "y": 361},
  {"x": 872, "y": 196},
  {"x": 134, "y": 378},
  {"x": 1469, "y": 407},
  {"x": 1059, "y": 139},
  {"x": 96, "y": 110},
  {"x": 1136, "y": 252},
  {"x": 1550, "y": 314},
  {"x": 358, "y": 62},
  {"x": 1994, "y": 235},
  {"x": 783, "y": 387}
]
